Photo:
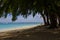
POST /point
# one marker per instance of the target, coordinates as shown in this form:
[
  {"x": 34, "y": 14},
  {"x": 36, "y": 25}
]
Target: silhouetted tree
[{"x": 51, "y": 9}]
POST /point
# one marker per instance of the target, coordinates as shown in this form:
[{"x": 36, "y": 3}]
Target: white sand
[{"x": 18, "y": 28}]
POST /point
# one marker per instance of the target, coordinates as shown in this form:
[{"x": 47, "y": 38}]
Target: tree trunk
[
  {"x": 59, "y": 20},
  {"x": 53, "y": 21},
  {"x": 47, "y": 20},
  {"x": 44, "y": 20},
  {"x": 45, "y": 23},
  {"x": 47, "y": 16}
]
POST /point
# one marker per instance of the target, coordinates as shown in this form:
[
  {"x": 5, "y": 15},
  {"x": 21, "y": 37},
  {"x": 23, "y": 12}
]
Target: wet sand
[{"x": 35, "y": 33}]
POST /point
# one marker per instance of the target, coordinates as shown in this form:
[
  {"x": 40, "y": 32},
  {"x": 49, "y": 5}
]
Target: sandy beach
[{"x": 32, "y": 33}]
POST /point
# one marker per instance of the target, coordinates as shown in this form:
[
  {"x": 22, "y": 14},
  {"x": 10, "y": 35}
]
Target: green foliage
[{"x": 21, "y": 7}]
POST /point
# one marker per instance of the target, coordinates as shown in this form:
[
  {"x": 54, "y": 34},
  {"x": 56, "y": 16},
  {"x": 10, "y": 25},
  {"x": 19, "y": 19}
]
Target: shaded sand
[{"x": 35, "y": 33}]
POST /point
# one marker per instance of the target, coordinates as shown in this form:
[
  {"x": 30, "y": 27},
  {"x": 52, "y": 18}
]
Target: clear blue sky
[{"x": 37, "y": 18}]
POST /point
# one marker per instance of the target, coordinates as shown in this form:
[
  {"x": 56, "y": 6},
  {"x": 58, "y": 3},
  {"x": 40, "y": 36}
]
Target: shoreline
[{"x": 19, "y": 28}]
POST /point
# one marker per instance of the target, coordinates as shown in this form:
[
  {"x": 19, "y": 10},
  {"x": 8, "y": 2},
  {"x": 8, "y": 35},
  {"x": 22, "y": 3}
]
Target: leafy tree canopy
[{"x": 26, "y": 7}]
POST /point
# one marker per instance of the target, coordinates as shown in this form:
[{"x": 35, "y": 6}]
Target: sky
[{"x": 20, "y": 18}]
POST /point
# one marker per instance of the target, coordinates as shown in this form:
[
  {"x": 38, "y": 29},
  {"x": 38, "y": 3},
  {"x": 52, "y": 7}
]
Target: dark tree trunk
[
  {"x": 53, "y": 21},
  {"x": 47, "y": 16},
  {"x": 45, "y": 23},
  {"x": 59, "y": 20},
  {"x": 47, "y": 20}
]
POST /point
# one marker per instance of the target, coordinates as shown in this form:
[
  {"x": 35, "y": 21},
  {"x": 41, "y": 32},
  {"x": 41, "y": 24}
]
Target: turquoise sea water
[{"x": 13, "y": 25}]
